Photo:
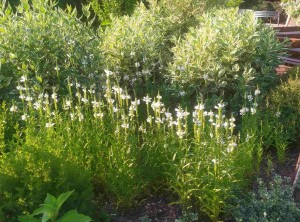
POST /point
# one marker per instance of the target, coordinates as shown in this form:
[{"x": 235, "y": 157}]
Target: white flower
[
  {"x": 182, "y": 93},
  {"x": 159, "y": 120},
  {"x": 220, "y": 105},
  {"x": 126, "y": 77},
  {"x": 132, "y": 54},
  {"x": 23, "y": 78},
  {"x": 13, "y": 108},
  {"x": 232, "y": 119},
  {"x": 125, "y": 125},
  {"x": 253, "y": 111},
  {"x": 278, "y": 114},
  {"x": 168, "y": 115},
  {"x": 115, "y": 109},
  {"x": 72, "y": 115},
  {"x": 250, "y": 97},
  {"x": 244, "y": 110},
  {"x": 78, "y": 85},
  {"x": 54, "y": 96},
  {"x": 142, "y": 129},
  {"x": 20, "y": 88},
  {"x": 180, "y": 113},
  {"x": 147, "y": 99},
  {"x": 84, "y": 100},
  {"x": 257, "y": 92},
  {"x": 149, "y": 119},
  {"x": 80, "y": 117},
  {"x": 108, "y": 72},
  {"x": 117, "y": 89},
  {"x": 180, "y": 68},
  {"x": 28, "y": 98},
  {"x": 24, "y": 117},
  {"x": 231, "y": 146},
  {"x": 156, "y": 105},
  {"x": 137, "y": 64},
  {"x": 135, "y": 103},
  {"x": 205, "y": 77},
  {"x": 98, "y": 115},
  {"x": 214, "y": 161},
  {"x": 200, "y": 107},
  {"x": 36, "y": 105},
  {"x": 48, "y": 125},
  {"x": 180, "y": 134}
]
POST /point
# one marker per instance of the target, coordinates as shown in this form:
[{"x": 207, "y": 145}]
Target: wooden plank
[
  {"x": 291, "y": 61},
  {"x": 287, "y": 29},
  {"x": 297, "y": 50},
  {"x": 294, "y": 34},
  {"x": 288, "y": 33}
]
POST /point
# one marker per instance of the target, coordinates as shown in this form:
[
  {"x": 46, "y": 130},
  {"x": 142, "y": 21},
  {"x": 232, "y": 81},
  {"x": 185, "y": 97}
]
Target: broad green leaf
[
  {"x": 63, "y": 197},
  {"x": 28, "y": 219},
  {"x": 72, "y": 216},
  {"x": 50, "y": 200},
  {"x": 48, "y": 211}
]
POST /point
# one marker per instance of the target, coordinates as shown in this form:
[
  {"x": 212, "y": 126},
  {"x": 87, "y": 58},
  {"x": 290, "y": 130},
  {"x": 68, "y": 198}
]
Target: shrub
[
  {"x": 135, "y": 48},
  {"x": 227, "y": 54},
  {"x": 31, "y": 171},
  {"x": 104, "y": 9},
  {"x": 284, "y": 101},
  {"x": 47, "y": 45},
  {"x": 268, "y": 204}
]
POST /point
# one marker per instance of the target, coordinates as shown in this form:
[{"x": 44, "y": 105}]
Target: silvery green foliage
[
  {"x": 46, "y": 44},
  {"x": 268, "y": 204},
  {"x": 135, "y": 47},
  {"x": 227, "y": 53}
]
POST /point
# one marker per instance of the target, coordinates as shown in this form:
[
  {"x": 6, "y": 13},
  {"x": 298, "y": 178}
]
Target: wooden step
[
  {"x": 287, "y": 29},
  {"x": 294, "y": 34},
  {"x": 295, "y": 42},
  {"x": 291, "y": 61},
  {"x": 295, "y": 50}
]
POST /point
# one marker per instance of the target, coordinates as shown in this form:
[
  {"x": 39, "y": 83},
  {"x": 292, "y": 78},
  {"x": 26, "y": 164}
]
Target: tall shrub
[
  {"x": 45, "y": 44},
  {"x": 227, "y": 54}
]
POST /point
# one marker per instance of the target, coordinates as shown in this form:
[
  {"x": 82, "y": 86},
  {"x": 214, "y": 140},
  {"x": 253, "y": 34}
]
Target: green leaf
[
  {"x": 104, "y": 23},
  {"x": 50, "y": 200},
  {"x": 39, "y": 78},
  {"x": 49, "y": 211},
  {"x": 72, "y": 216},
  {"x": 27, "y": 219},
  {"x": 63, "y": 197},
  {"x": 86, "y": 10}
]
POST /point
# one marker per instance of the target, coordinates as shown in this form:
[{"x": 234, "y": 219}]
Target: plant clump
[
  {"x": 226, "y": 55},
  {"x": 47, "y": 45}
]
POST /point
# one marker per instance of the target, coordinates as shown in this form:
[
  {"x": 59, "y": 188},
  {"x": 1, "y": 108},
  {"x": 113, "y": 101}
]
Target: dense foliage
[
  {"x": 47, "y": 45},
  {"x": 227, "y": 54},
  {"x": 272, "y": 202},
  {"x": 85, "y": 111}
]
